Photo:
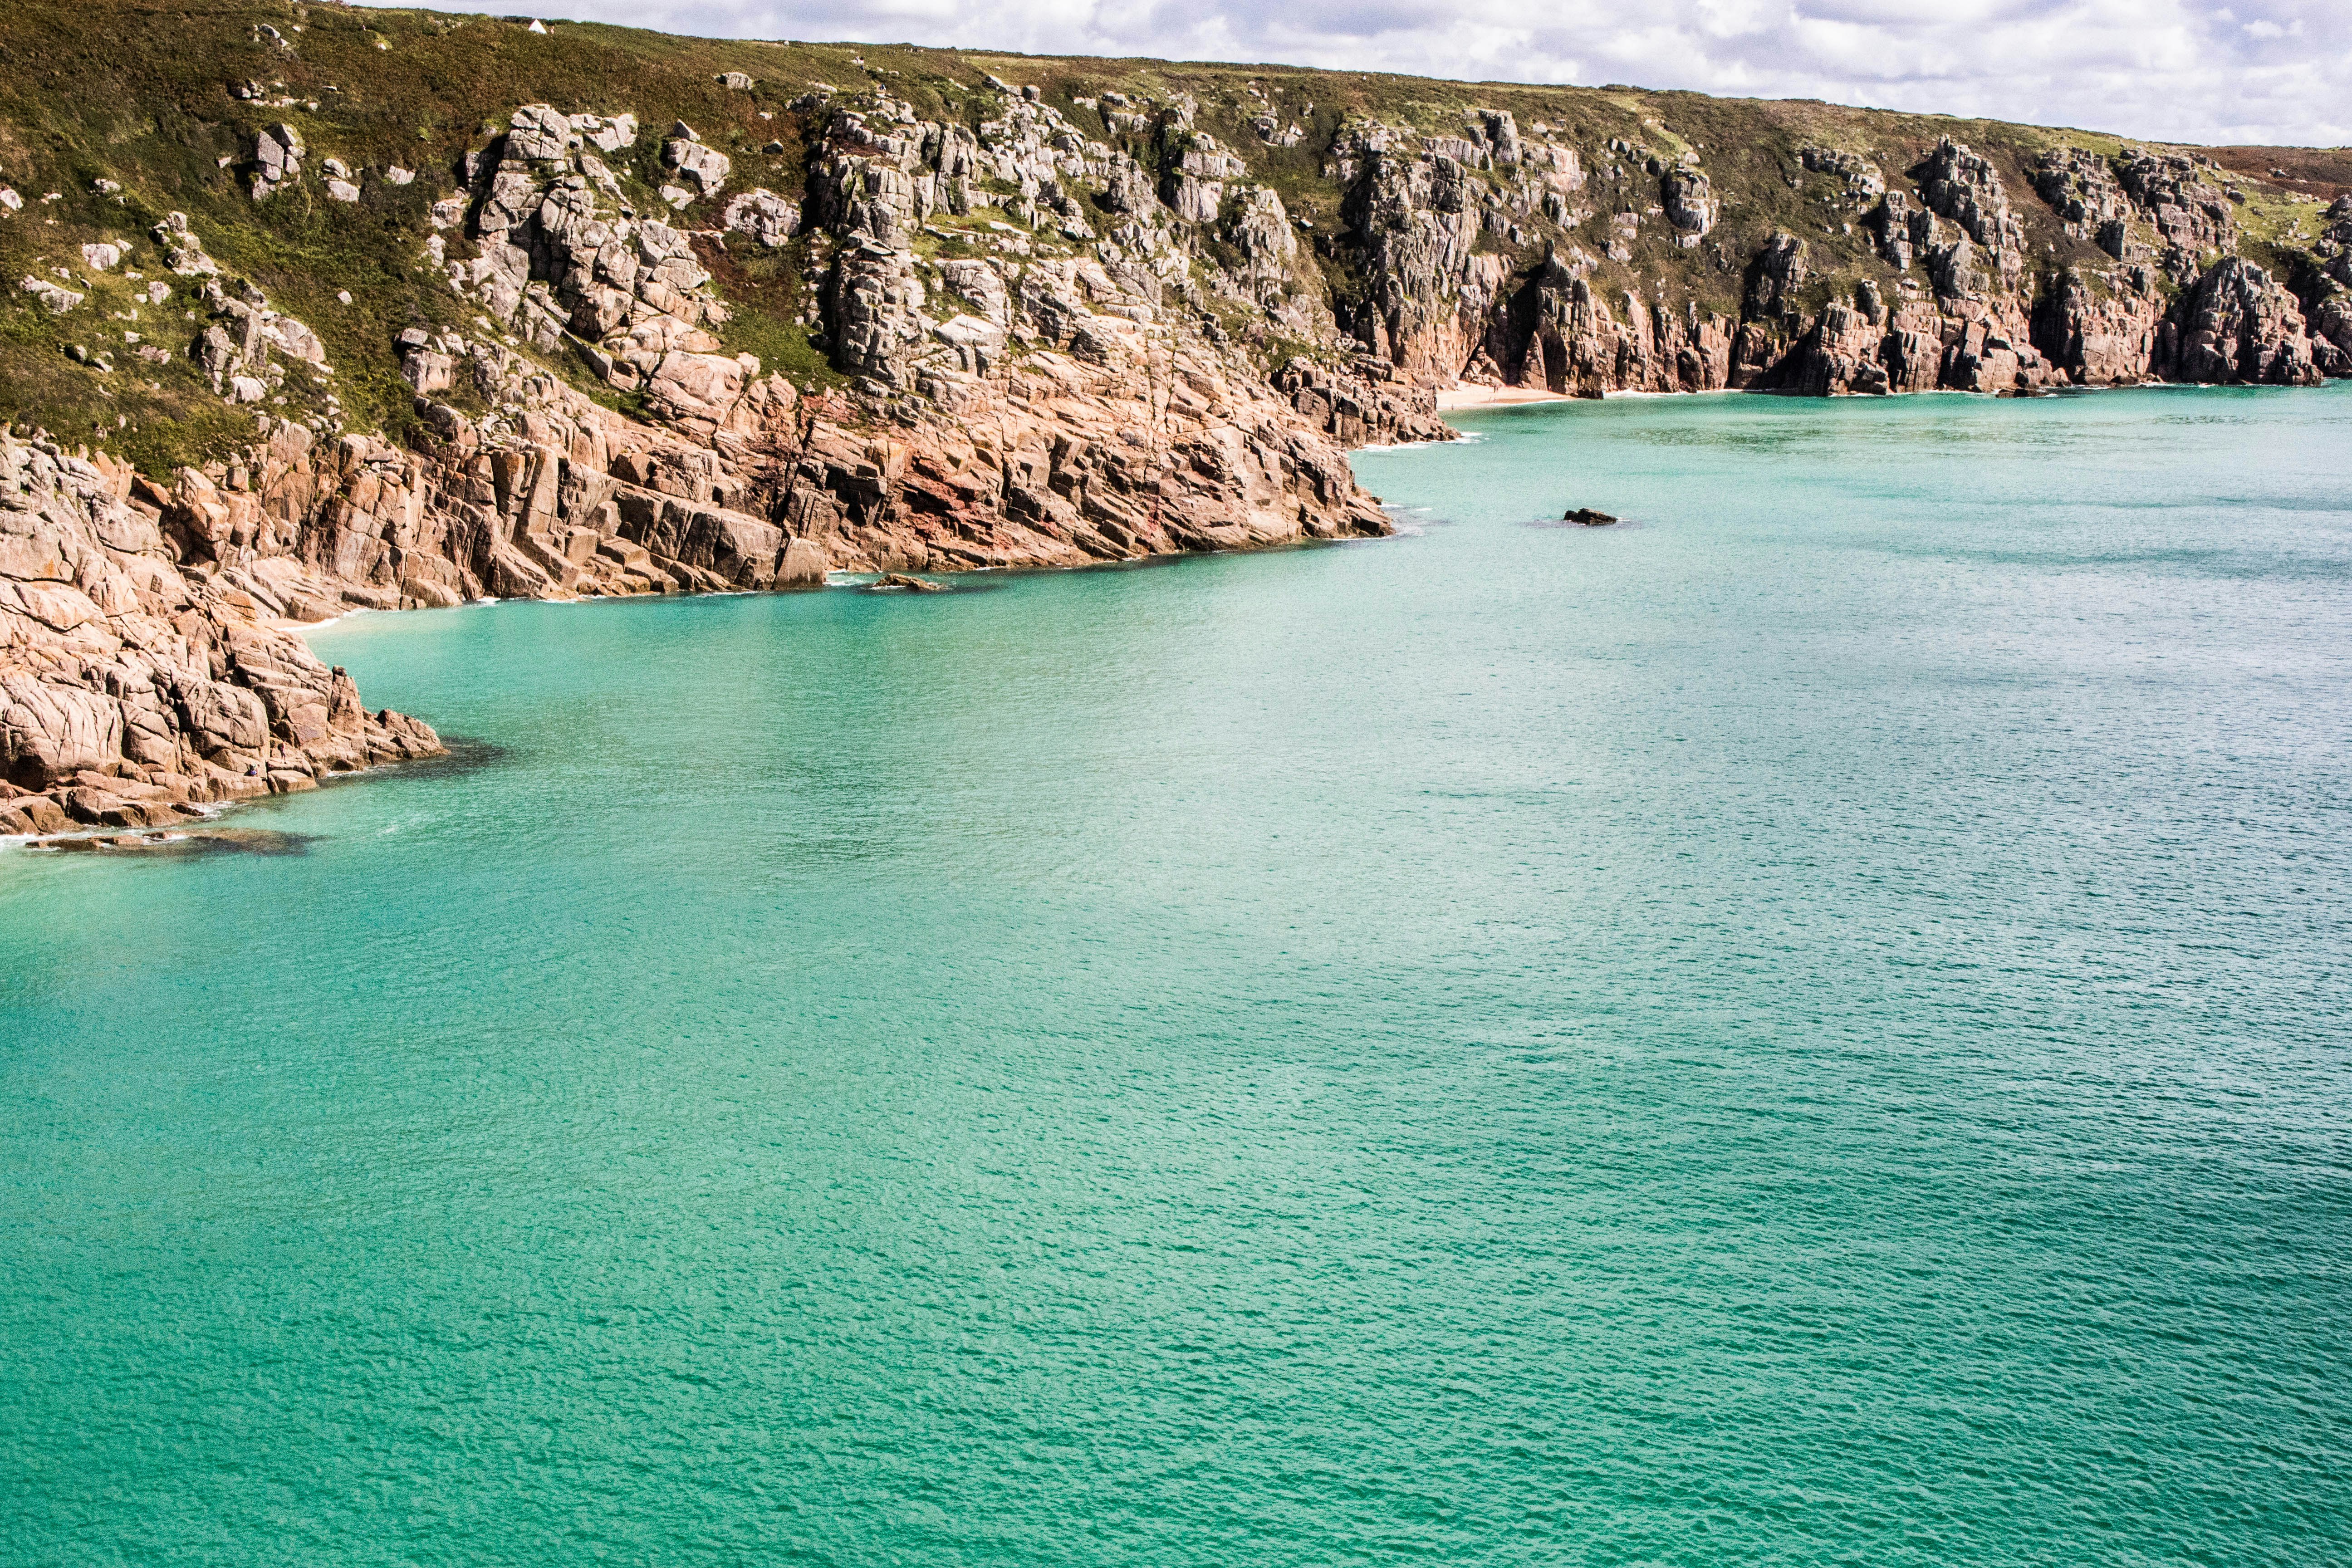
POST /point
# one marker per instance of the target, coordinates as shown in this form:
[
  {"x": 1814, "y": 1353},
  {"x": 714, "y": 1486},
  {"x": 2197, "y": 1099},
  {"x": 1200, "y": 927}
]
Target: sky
[{"x": 2185, "y": 70}]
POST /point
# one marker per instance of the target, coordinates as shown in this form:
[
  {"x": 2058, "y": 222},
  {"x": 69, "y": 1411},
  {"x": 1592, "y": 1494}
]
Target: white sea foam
[{"x": 1467, "y": 438}]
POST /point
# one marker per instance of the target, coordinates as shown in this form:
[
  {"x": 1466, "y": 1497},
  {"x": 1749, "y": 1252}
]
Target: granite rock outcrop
[
  {"x": 939, "y": 322},
  {"x": 1432, "y": 219},
  {"x": 137, "y": 689}
]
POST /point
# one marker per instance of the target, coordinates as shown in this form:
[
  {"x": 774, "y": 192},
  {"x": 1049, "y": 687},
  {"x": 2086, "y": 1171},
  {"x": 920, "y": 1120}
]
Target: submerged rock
[{"x": 178, "y": 841}]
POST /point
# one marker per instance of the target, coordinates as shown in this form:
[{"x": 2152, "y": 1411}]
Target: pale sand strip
[{"x": 1453, "y": 397}]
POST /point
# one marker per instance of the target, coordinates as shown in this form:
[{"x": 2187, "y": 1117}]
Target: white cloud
[{"x": 2268, "y": 71}]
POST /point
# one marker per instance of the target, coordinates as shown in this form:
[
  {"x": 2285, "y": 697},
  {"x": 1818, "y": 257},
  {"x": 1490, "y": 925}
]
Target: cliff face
[
  {"x": 1009, "y": 399},
  {"x": 1934, "y": 280},
  {"x": 322, "y": 309},
  {"x": 131, "y": 689}
]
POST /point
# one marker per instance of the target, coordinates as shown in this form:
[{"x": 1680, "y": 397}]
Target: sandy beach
[{"x": 1470, "y": 396}]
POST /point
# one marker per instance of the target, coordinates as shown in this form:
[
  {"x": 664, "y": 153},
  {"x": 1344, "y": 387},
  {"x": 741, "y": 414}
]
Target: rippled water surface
[{"x": 1810, "y": 1026}]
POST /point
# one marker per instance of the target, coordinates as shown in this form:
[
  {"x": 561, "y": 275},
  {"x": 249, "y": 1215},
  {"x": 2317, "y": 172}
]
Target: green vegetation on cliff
[{"x": 116, "y": 113}]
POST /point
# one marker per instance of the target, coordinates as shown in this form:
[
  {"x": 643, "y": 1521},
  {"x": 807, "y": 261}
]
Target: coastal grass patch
[{"x": 165, "y": 97}]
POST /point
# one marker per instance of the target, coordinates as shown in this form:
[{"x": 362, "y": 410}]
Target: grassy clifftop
[{"x": 114, "y": 113}]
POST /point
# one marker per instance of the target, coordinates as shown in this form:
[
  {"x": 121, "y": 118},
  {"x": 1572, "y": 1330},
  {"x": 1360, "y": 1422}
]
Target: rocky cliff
[
  {"x": 1485, "y": 254},
  {"x": 135, "y": 687},
  {"x": 319, "y": 308}
]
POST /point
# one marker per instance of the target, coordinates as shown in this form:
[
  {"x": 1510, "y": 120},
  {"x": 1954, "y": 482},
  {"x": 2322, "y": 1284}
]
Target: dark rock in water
[
  {"x": 1588, "y": 517},
  {"x": 214, "y": 840},
  {"x": 912, "y": 584}
]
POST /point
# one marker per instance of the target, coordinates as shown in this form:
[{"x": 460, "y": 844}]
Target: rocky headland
[
  {"x": 320, "y": 309},
  {"x": 138, "y": 685}
]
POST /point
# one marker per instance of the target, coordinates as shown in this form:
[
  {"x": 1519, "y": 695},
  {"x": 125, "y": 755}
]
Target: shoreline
[
  {"x": 1473, "y": 398},
  {"x": 131, "y": 823}
]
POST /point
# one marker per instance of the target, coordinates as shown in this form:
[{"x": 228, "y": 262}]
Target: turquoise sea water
[{"x": 1812, "y": 1026}]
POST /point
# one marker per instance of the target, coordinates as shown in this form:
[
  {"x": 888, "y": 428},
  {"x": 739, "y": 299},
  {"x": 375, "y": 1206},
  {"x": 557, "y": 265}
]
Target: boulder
[
  {"x": 697, "y": 386},
  {"x": 221, "y": 719},
  {"x": 1690, "y": 200},
  {"x": 765, "y": 216},
  {"x": 51, "y": 732},
  {"x": 427, "y": 371},
  {"x": 802, "y": 564},
  {"x": 57, "y": 300},
  {"x": 707, "y": 167},
  {"x": 278, "y": 154}
]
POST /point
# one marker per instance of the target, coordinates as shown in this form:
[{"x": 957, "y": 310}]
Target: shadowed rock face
[{"x": 1972, "y": 313}]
